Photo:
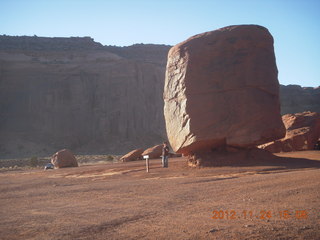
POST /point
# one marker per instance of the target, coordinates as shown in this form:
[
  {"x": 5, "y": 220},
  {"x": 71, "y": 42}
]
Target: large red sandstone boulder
[
  {"x": 221, "y": 88},
  {"x": 132, "y": 156},
  {"x": 64, "y": 158},
  {"x": 303, "y": 132},
  {"x": 154, "y": 152}
]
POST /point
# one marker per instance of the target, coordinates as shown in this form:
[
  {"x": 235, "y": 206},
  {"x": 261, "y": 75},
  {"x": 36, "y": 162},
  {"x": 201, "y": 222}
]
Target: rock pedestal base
[{"x": 230, "y": 157}]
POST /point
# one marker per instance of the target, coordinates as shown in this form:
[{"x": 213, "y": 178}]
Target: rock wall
[
  {"x": 75, "y": 93},
  {"x": 295, "y": 99}
]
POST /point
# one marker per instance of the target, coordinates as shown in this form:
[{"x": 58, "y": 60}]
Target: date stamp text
[{"x": 262, "y": 214}]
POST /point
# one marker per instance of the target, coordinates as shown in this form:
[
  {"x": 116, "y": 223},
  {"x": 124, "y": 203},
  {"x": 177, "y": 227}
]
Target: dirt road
[{"x": 121, "y": 201}]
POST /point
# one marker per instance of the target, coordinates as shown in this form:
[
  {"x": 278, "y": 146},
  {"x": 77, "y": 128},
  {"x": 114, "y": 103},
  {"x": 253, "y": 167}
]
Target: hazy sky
[{"x": 294, "y": 24}]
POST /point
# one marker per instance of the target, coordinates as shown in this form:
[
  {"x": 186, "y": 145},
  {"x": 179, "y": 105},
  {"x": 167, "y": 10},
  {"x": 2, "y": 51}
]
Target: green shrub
[
  {"x": 110, "y": 158},
  {"x": 34, "y": 162}
]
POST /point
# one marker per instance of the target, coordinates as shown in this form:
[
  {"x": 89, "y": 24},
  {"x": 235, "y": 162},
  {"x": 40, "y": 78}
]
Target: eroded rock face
[
  {"x": 303, "y": 132},
  {"x": 221, "y": 89},
  {"x": 64, "y": 158},
  {"x": 297, "y": 99},
  {"x": 75, "y": 93},
  {"x": 132, "y": 156}
]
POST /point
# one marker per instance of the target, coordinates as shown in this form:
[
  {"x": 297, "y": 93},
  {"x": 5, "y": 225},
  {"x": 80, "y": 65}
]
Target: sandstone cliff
[
  {"x": 75, "y": 93},
  {"x": 295, "y": 99}
]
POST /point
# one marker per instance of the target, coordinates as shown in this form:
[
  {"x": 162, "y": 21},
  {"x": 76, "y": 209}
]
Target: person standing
[{"x": 165, "y": 155}]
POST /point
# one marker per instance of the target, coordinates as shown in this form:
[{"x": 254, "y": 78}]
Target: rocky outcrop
[
  {"x": 221, "y": 89},
  {"x": 75, "y": 93},
  {"x": 132, "y": 156},
  {"x": 303, "y": 132},
  {"x": 296, "y": 99},
  {"x": 64, "y": 158},
  {"x": 154, "y": 152}
]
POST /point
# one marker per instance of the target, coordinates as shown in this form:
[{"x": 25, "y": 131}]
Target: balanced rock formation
[
  {"x": 303, "y": 132},
  {"x": 221, "y": 89},
  {"x": 154, "y": 152},
  {"x": 132, "y": 156},
  {"x": 64, "y": 158}
]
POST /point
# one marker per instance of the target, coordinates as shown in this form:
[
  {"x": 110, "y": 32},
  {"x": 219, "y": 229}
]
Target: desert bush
[
  {"x": 34, "y": 162},
  {"x": 110, "y": 158}
]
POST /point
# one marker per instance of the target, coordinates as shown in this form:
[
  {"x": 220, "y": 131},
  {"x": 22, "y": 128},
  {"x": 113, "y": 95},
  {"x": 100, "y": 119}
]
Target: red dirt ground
[{"x": 276, "y": 200}]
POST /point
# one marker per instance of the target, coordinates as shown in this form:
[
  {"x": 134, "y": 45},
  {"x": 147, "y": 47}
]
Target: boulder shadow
[{"x": 249, "y": 158}]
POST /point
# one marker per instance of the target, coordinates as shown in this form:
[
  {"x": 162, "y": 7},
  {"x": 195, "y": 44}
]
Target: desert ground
[{"x": 266, "y": 200}]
